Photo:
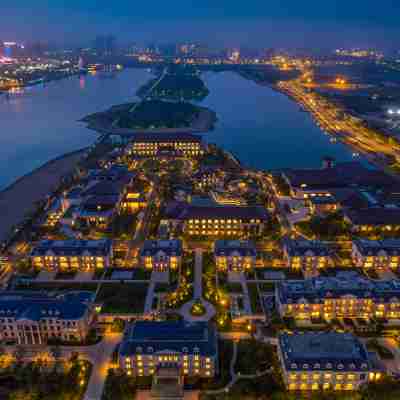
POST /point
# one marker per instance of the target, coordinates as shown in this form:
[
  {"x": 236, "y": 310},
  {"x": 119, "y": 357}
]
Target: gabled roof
[
  {"x": 300, "y": 247},
  {"x": 168, "y": 247},
  {"x": 228, "y": 247},
  {"x": 377, "y": 216},
  {"x": 151, "y": 137},
  {"x": 374, "y": 247},
  {"x": 73, "y": 247},
  {"x": 234, "y": 212}
]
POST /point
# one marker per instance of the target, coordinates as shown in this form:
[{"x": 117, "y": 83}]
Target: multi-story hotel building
[
  {"x": 234, "y": 255},
  {"x": 326, "y": 361},
  {"x": 83, "y": 255},
  {"x": 376, "y": 253},
  {"x": 34, "y": 319},
  {"x": 150, "y": 346},
  {"x": 374, "y": 219},
  {"x": 338, "y": 297},
  {"x": 225, "y": 221},
  {"x": 151, "y": 144},
  {"x": 307, "y": 255},
  {"x": 161, "y": 255}
]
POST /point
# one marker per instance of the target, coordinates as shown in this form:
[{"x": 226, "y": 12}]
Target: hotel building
[
  {"x": 82, "y": 255},
  {"x": 225, "y": 221},
  {"x": 150, "y": 346},
  {"x": 332, "y": 298},
  {"x": 376, "y": 253},
  {"x": 307, "y": 255},
  {"x": 151, "y": 144},
  {"x": 234, "y": 255},
  {"x": 326, "y": 360},
  {"x": 34, "y": 319},
  {"x": 161, "y": 255}
]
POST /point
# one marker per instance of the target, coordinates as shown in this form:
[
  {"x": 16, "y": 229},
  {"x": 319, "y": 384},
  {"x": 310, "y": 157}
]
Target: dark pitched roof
[
  {"x": 165, "y": 137},
  {"x": 341, "y": 175},
  {"x": 169, "y": 247},
  {"x": 377, "y": 216},
  {"x": 300, "y": 247},
  {"x": 239, "y": 212},
  {"x": 169, "y": 335},
  {"x": 373, "y": 247},
  {"x": 227, "y": 247},
  {"x": 105, "y": 188},
  {"x": 73, "y": 247}
]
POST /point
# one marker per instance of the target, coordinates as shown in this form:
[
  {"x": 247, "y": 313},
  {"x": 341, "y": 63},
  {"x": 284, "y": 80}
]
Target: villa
[
  {"x": 234, "y": 255},
  {"x": 161, "y": 255}
]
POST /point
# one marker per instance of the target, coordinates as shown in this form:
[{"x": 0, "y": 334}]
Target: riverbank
[{"x": 20, "y": 198}]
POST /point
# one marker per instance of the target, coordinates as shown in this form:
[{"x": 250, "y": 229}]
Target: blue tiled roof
[
  {"x": 169, "y": 335},
  {"x": 324, "y": 351},
  {"x": 315, "y": 290},
  {"x": 71, "y": 306},
  {"x": 300, "y": 247}
]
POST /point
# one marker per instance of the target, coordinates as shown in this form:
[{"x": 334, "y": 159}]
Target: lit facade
[
  {"x": 332, "y": 298},
  {"x": 189, "y": 348},
  {"x": 82, "y": 255},
  {"x": 308, "y": 255},
  {"x": 224, "y": 221},
  {"x": 150, "y": 145},
  {"x": 376, "y": 253},
  {"x": 161, "y": 255},
  {"x": 325, "y": 361},
  {"x": 36, "y": 319},
  {"x": 234, "y": 255}
]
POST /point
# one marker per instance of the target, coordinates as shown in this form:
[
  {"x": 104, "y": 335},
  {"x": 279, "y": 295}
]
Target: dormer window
[
  {"x": 328, "y": 365},
  {"x": 139, "y": 349},
  {"x": 293, "y": 365},
  {"x": 150, "y": 349},
  {"x": 305, "y": 366},
  {"x": 340, "y": 366},
  {"x": 185, "y": 350}
]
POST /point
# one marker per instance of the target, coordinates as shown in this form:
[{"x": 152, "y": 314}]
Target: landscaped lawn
[
  {"x": 254, "y": 298},
  {"x": 253, "y": 356},
  {"x": 124, "y": 298}
]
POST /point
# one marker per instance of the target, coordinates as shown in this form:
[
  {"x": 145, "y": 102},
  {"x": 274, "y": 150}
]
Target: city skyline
[{"x": 359, "y": 24}]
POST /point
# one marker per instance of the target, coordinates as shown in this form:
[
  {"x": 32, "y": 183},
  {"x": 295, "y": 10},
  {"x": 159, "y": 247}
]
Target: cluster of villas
[
  {"x": 343, "y": 296},
  {"x": 369, "y": 199},
  {"x": 37, "y": 318},
  {"x": 98, "y": 197}
]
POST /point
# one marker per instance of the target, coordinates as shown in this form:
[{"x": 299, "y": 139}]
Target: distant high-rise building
[{"x": 105, "y": 44}]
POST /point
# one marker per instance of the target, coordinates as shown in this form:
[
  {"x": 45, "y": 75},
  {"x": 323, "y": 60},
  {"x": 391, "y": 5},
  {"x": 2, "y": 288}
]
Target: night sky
[{"x": 289, "y": 23}]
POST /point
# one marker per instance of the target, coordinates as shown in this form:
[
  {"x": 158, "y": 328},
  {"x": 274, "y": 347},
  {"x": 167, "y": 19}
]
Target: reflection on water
[
  {"x": 264, "y": 128},
  {"x": 41, "y": 124},
  {"x": 260, "y": 126}
]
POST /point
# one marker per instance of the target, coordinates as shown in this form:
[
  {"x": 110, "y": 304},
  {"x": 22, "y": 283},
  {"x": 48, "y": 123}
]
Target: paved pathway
[
  {"x": 149, "y": 298},
  {"x": 197, "y": 292},
  {"x": 100, "y": 358}
]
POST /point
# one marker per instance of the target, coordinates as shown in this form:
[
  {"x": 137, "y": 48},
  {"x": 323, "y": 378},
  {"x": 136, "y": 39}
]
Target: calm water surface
[
  {"x": 264, "y": 129},
  {"x": 41, "y": 124}
]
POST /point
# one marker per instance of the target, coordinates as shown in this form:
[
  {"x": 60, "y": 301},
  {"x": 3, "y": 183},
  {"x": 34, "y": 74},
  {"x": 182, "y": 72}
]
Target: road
[
  {"x": 100, "y": 358},
  {"x": 335, "y": 120}
]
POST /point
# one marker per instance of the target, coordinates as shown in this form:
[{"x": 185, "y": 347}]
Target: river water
[{"x": 263, "y": 128}]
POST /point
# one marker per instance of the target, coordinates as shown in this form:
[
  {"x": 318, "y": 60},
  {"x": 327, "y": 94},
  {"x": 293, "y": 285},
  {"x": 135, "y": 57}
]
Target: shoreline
[
  {"x": 204, "y": 123},
  {"x": 18, "y": 199}
]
